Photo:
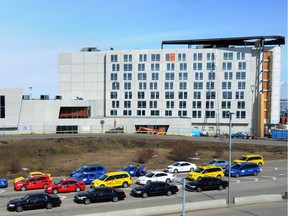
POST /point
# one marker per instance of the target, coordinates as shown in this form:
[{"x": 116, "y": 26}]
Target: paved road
[{"x": 272, "y": 180}]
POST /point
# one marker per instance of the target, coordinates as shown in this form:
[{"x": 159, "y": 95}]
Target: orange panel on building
[
  {"x": 267, "y": 55},
  {"x": 172, "y": 56},
  {"x": 266, "y": 75}
]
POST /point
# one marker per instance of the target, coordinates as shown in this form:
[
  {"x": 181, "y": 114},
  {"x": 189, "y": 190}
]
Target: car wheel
[
  {"x": 219, "y": 176},
  {"x": 87, "y": 201},
  {"x": 175, "y": 171},
  {"x": 115, "y": 199},
  {"x": 168, "y": 181},
  {"x": 237, "y": 175},
  {"x": 260, "y": 164},
  {"x": 125, "y": 185},
  {"x": 192, "y": 169},
  {"x": 45, "y": 186},
  {"x": 199, "y": 189},
  {"x": 220, "y": 187},
  {"x": 199, "y": 178},
  {"x": 23, "y": 188},
  {"x": 19, "y": 208},
  {"x": 49, "y": 205},
  {"x": 102, "y": 185},
  {"x": 148, "y": 182},
  {"x": 144, "y": 195},
  {"x": 77, "y": 189},
  {"x": 255, "y": 173},
  {"x": 55, "y": 191},
  {"x": 169, "y": 193}
]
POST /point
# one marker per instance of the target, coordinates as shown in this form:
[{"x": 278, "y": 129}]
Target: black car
[
  {"x": 154, "y": 188},
  {"x": 206, "y": 183},
  {"x": 33, "y": 201},
  {"x": 99, "y": 195}
]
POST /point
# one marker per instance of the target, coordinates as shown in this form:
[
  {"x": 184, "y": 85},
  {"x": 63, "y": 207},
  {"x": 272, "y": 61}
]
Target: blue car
[
  {"x": 95, "y": 168},
  {"x": 243, "y": 169},
  {"x": 131, "y": 169},
  {"x": 87, "y": 178},
  {"x": 3, "y": 183}
]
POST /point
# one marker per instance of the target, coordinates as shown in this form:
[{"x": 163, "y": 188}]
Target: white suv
[
  {"x": 155, "y": 176},
  {"x": 180, "y": 166}
]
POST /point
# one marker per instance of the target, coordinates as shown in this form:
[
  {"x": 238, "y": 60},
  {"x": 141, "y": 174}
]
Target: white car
[
  {"x": 180, "y": 166},
  {"x": 155, "y": 176}
]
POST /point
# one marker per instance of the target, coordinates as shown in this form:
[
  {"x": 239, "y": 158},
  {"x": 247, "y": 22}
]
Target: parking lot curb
[{"x": 257, "y": 199}]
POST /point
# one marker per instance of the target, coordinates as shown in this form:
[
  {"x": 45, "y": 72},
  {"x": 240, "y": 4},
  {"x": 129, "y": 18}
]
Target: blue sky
[{"x": 34, "y": 32}]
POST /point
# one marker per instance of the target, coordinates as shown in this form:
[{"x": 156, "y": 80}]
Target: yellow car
[
  {"x": 30, "y": 174},
  {"x": 201, "y": 171},
  {"x": 258, "y": 159},
  {"x": 113, "y": 179}
]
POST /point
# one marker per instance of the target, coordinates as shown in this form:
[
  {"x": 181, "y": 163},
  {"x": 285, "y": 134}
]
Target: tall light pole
[
  {"x": 252, "y": 87},
  {"x": 230, "y": 161}
]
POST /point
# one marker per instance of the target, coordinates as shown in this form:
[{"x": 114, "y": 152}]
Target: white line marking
[
  {"x": 238, "y": 181},
  {"x": 63, "y": 197},
  {"x": 2, "y": 191}
]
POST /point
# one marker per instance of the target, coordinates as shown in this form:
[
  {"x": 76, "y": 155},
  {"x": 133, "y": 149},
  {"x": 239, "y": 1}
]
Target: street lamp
[
  {"x": 230, "y": 151},
  {"x": 114, "y": 87},
  {"x": 252, "y": 87}
]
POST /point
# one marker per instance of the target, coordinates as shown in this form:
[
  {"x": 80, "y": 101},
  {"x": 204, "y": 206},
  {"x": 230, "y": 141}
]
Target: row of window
[
  {"x": 182, "y": 113},
  {"x": 180, "y": 57},
  {"x": 2, "y": 106},
  {"x": 182, "y": 66}
]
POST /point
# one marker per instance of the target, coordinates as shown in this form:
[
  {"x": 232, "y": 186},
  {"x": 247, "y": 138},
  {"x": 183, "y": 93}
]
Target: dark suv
[{"x": 94, "y": 168}]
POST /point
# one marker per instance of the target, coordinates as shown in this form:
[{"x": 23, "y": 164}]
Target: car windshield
[
  {"x": 79, "y": 175},
  {"x": 175, "y": 164},
  {"x": 242, "y": 158},
  {"x": 236, "y": 166},
  {"x": 198, "y": 170},
  {"x": 26, "y": 176},
  {"x": 149, "y": 175},
  {"x": 92, "y": 191},
  {"x": 58, "y": 182},
  {"x": 103, "y": 177},
  {"x": 126, "y": 168},
  {"x": 79, "y": 169},
  {"x": 211, "y": 162},
  {"x": 26, "y": 197}
]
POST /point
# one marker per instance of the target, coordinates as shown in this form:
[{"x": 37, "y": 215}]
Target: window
[
  {"x": 152, "y": 104},
  {"x": 227, "y": 95},
  {"x": 197, "y": 56},
  {"x": 128, "y": 95},
  {"x": 127, "y": 112},
  {"x": 142, "y": 85},
  {"x": 141, "y": 67},
  {"x": 128, "y": 58},
  {"x": 197, "y": 66},
  {"x": 169, "y": 76},
  {"x": 181, "y": 56},
  {"x": 141, "y": 95},
  {"x": 169, "y": 95},
  {"x": 113, "y": 76},
  {"x": 170, "y": 104},
  {"x": 209, "y": 85},
  {"x": 210, "y": 66},
  {"x": 240, "y": 56},
  {"x": 182, "y": 113},
  {"x": 210, "y": 95},
  {"x": 182, "y": 85},
  {"x": 211, "y": 75},
  {"x": 196, "y": 114},
  {"x": 226, "y": 85},
  {"x": 209, "y": 104},
  {"x": 168, "y": 112},
  {"x": 127, "y": 85},
  {"x": 241, "y": 85},
  {"x": 183, "y": 76},
  {"x": 198, "y": 76},
  {"x": 155, "y": 57},
  {"x": 115, "y": 67},
  {"x": 115, "y": 104},
  {"x": 127, "y": 76},
  {"x": 241, "y": 65},
  {"x": 198, "y": 85},
  {"x": 155, "y": 67},
  {"x": 65, "y": 112},
  {"x": 113, "y": 95},
  {"x": 226, "y": 105},
  {"x": 127, "y": 67},
  {"x": 168, "y": 85},
  {"x": 227, "y": 56},
  {"x": 155, "y": 76},
  {"x": 154, "y": 112},
  {"x": 210, "y": 56},
  {"x": 114, "y": 58},
  {"x": 241, "y": 114},
  {"x": 227, "y": 66},
  {"x": 240, "y": 104},
  {"x": 239, "y": 95},
  {"x": 141, "y": 104},
  {"x": 154, "y": 95},
  {"x": 140, "y": 112},
  {"x": 197, "y": 104},
  {"x": 210, "y": 114},
  {"x": 142, "y": 76},
  {"x": 225, "y": 114},
  {"x": 170, "y": 66},
  {"x": 153, "y": 85},
  {"x": 240, "y": 75},
  {"x": 197, "y": 95},
  {"x": 182, "y": 104},
  {"x": 183, "y": 66},
  {"x": 142, "y": 57},
  {"x": 228, "y": 75},
  {"x": 2, "y": 106},
  {"x": 115, "y": 85},
  {"x": 127, "y": 104},
  {"x": 182, "y": 95}
]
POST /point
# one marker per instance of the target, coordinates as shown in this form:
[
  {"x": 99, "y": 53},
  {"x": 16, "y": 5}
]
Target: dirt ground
[{"x": 60, "y": 156}]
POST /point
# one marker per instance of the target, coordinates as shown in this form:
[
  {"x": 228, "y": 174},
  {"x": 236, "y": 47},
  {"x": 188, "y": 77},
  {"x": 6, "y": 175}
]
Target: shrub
[
  {"x": 143, "y": 155},
  {"x": 182, "y": 150},
  {"x": 15, "y": 165},
  {"x": 218, "y": 153}
]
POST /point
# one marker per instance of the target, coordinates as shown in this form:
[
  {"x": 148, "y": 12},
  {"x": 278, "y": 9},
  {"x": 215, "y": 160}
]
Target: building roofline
[{"x": 233, "y": 41}]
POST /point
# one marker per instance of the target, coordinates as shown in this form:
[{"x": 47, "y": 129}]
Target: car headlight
[
  {"x": 232, "y": 171},
  {"x": 138, "y": 192},
  {"x": 11, "y": 205}
]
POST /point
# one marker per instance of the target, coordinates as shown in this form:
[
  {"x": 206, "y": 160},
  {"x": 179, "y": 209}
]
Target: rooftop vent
[{"x": 89, "y": 49}]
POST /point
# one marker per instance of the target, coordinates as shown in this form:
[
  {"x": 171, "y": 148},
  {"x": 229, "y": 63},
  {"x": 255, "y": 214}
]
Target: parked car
[
  {"x": 33, "y": 201},
  {"x": 240, "y": 135},
  {"x": 154, "y": 188},
  {"x": 30, "y": 174},
  {"x": 181, "y": 166},
  {"x": 113, "y": 179},
  {"x": 243, "y": 169},
  {"x": 132, "y": 170},
  {"x": 205, "y": 171},
  {"x": 115, "y": 130},
  {"x": 99, "y": 194},
  {"x": 206, "y": 183},
  {"x": 155, "y": 176},
  {"x": 87, "y": 178},
  {"x": 33, "y": 182},
  {"x": 95, "y": 168},
  {"x": 217, "y": 162},
  {"x": 258, "y": 159},
  {"x": 65, "y": 185},
  {"x": 3, "y": 183}
]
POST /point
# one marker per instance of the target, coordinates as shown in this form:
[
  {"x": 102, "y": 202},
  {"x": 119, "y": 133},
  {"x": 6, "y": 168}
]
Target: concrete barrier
[{"x": 257, "y": 199}]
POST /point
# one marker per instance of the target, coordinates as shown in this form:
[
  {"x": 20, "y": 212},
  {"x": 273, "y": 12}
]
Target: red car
[
  {"x": 33, "y": 182},
  {"x": 65, "y": 185}
]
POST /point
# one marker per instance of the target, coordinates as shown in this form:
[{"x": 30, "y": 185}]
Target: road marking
[
  {"x": 2, "y": 191},
  {"x": 63, "y": 197},
  {"x": 273, "y": 177},
  {"x": 238, "y": 181},
  {"x": 276, "y": 168}
]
